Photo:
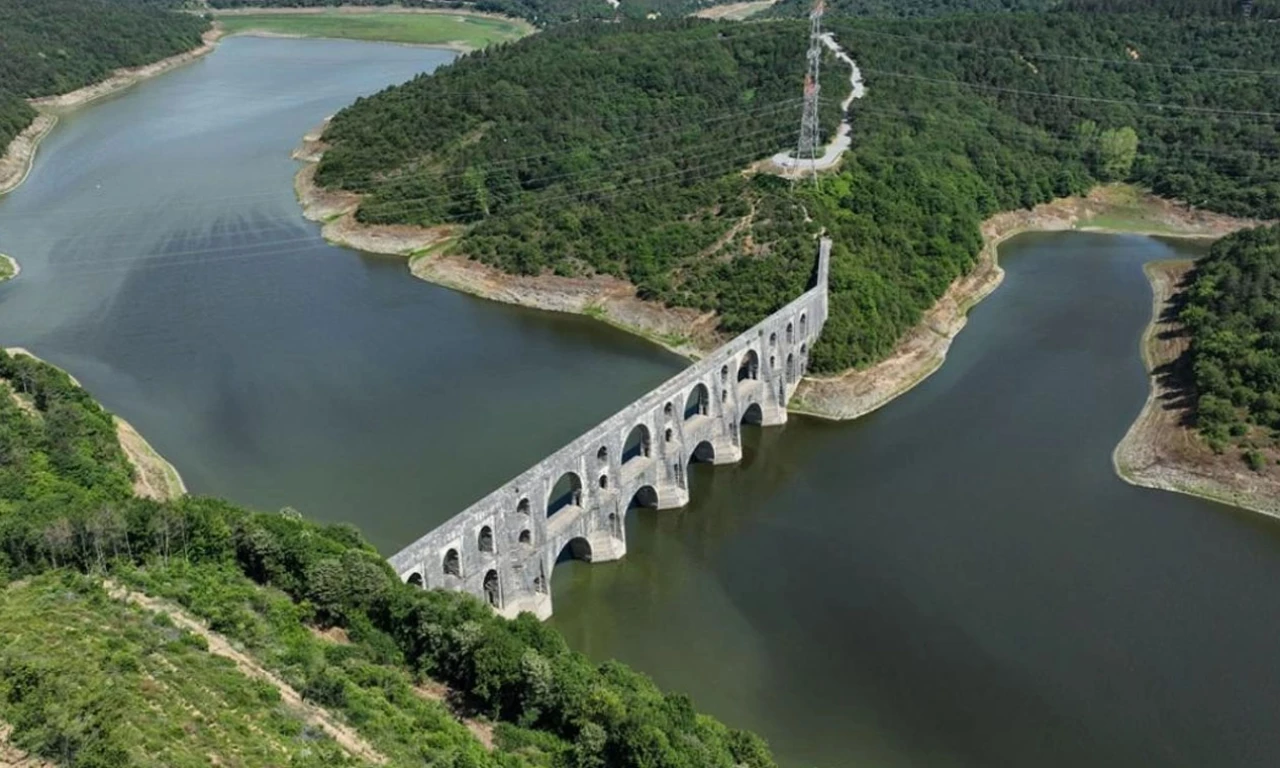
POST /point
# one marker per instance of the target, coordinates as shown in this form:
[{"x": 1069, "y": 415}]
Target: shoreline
[
  {"x": 1160, "y": 450},
  {"x": 156, "y": 478},
  {"x": 19, "y": 156},
  {"x": 1107, "y": 209},
  {"x": 685, "y": 332},
  {"x": 923, "y": 349},
  {"x": 126, "y": 77}
]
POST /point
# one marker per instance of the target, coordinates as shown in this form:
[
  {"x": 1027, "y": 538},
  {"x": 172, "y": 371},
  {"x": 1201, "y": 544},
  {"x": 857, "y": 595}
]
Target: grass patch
[
  {"x": 1134, "y": 219},
  {"x": 8, "y": 267},
  {"x": 363, "y": 680},
  {"x": 418, "y": 28},
  {"x": 85, "y": 680}
]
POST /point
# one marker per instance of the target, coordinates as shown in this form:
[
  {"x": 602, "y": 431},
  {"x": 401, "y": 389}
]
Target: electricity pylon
[{"x": 809, "y": 139}]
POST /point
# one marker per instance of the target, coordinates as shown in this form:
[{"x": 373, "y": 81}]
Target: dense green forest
[
  {"x": 54, "y": 46},
  {"x": 909, "y": 8},
  {"x": 618, "y": 149},
  {"x": 265, "y": 580},
  {"x": 1258, "y": 9},
  {"x": 1232, "y": 309}
]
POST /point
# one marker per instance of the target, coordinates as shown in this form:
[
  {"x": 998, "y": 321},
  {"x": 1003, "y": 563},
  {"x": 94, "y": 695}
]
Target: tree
[{"x": 1117, "y": 149}]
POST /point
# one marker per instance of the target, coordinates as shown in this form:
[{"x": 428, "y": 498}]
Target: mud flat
[
  {"x": 1117, "y": 209},
  {"x": 154, "y": 476},
  {"x": 1162, "y": 449},
  {"x": 733, "y": 11}
]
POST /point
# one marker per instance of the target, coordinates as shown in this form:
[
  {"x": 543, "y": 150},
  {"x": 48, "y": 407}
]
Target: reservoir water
[{"x": 956, "y": 580}]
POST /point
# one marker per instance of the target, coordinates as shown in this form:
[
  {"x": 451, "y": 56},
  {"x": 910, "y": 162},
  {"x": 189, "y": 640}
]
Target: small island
[{"x": 9, "y": 267}]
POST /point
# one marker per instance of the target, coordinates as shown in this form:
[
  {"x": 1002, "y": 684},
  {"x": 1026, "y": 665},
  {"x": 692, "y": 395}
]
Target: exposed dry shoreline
[
  {"x": 920, "y": 352},
  {"x": 154, "y": 476},
  {"x": 683, "y": 331},
  {"x": 924, "y": 348},
  {"x": 19, "y": 156},
  {"x": 1161, "y": 449}
]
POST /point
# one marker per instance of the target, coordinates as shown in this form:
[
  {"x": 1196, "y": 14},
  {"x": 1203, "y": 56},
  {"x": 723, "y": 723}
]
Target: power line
[
  {"x": 423, "y": 203},
  {"x": 1074, "y": 97},
  {"x": 622, "y": 143},
  {"x": 1042, "y": 56},
  {"x": 597, "y": 194}
]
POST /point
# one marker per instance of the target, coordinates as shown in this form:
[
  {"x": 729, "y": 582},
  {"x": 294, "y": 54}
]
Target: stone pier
[{"x": 502, "y": 548}]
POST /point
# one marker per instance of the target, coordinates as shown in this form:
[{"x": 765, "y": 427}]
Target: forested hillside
[
  {"x": 272, "y": 583},
  {"x": 619, "y": 149},
  {"x": 54, "y": 46},
  {"x": 548, "y": 145},
  {"x": 1233, "y": 313},
  {"x": 1257, "y": 9},
  {"x": 908, "y": 9}
]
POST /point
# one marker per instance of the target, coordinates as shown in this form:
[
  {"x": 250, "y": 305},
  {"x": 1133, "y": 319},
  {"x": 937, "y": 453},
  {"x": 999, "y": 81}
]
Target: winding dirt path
[
  {"x": 344, "y": 735},
  {"x": 783, "y": 164}
]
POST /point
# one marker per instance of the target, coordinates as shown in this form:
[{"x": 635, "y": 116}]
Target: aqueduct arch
[
  {"x": 567, "y": 492},
  {"x": 500, "y": 552},
  {"x": 638, "y": 445},
  {"x": 698, "y": 403}
]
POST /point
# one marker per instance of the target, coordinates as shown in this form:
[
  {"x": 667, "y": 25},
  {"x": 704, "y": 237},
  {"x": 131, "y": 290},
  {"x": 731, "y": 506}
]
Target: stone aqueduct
[{"x": 502, "y": 548}]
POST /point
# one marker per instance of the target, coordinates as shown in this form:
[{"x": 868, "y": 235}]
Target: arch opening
[
  {"x": 749, "y": 367},
  {"x": 645, "y": 496},
  {"x": 523, "y": 507},
  {"x": 668, "y": 410},
  {"x": 576, "y": 548},
  {"x": 698, "y": 402},
  {"x": 484, "y": 542},
  {"x": 638, "y": 444},
  {"x": 791, "y": 334},
  {"x": 526, "y": 537},
  {"x": 452, "y": 563},
  {"x": 567, "y": 492},
  {"x": 724, "y": 374},
  {"x": 791, "y": 367},
  {"x": 754, "y": 414},
  {"x": 492, "y": 590},
  {"x": 415, "y": 580},
  {"x": 703, "y": 452},
  {"x": 602, "y": 455},
  {"x": 604, "y": 482},
  {"x": 804, "y": 326}
]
